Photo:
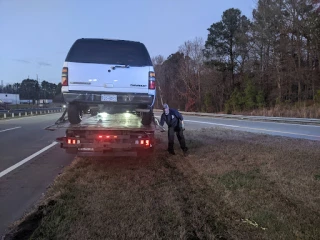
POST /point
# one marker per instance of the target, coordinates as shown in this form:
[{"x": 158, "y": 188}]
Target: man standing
[{"x": 174, "y": 120}]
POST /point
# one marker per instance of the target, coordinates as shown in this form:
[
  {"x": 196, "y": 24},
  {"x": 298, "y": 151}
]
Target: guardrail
[
  {"x": 4, "y": 114},
  {"x": 252, "y": 118}
]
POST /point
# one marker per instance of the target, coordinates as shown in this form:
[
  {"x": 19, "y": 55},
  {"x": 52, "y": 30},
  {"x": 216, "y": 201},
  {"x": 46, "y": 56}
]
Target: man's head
[{"x": 166, "y": 108}]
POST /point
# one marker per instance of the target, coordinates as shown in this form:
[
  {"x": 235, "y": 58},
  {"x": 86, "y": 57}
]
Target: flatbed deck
[
  {"x": 123, "y": 121},
  {"x": 107, "y": 135}
]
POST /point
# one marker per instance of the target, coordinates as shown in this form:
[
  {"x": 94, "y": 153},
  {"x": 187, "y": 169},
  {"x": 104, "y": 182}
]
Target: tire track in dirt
[{"x": 199, "y": 223}]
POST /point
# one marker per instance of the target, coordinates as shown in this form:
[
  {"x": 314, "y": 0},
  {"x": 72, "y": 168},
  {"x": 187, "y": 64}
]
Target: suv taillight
[
  {"x": 152, "y": 80},
  {"x": 64, "y": 78}
]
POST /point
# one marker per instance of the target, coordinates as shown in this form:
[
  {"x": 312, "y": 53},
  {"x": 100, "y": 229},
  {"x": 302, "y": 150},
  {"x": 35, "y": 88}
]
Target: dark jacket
[{"x": 172, "y": 119}]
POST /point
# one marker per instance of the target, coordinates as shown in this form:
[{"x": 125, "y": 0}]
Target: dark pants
[{"x": 182, "y": 141}]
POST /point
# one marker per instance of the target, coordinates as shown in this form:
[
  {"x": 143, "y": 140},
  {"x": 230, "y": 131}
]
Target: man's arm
[
  {"x": 178, "y": 115},
  {"x": 162, "y": 120}
]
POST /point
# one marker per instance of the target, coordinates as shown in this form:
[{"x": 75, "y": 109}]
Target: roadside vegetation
[
  {"x": 264, "y": 64},
  {"x": 32, "y": 89},
  {"x": 232, "y": 185}
]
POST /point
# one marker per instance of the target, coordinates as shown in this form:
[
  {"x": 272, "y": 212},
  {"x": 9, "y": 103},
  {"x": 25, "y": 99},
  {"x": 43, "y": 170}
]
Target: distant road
[
  {"x": 311, "y": 132},
  {"x": 24, "y": 141}
]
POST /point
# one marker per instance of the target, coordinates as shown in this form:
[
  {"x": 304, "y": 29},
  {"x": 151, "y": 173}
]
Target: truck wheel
[
  {"x": 147, "y": 118},
  {"x": 93, "y": 113},
  {"x": 74, "y": 114}
]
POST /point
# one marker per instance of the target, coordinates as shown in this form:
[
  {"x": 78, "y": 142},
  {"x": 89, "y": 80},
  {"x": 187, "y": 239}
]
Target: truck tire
[
  {"x": 147, "y": 118},
  {"x": 74, "y": 114},
  {"x": 93, "y": 112}
]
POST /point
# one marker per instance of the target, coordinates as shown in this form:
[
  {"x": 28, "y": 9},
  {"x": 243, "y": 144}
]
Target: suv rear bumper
[{"x": 133, "y": 100}]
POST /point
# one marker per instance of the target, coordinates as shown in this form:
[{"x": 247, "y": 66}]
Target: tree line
[
  {"x": 33, "y": 90},
  {"x": 247, "y": 64}
]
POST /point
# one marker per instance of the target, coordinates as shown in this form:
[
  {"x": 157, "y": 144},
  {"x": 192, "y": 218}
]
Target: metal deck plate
[{"x": 105, "y": 121}]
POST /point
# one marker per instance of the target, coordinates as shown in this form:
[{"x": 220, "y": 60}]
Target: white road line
[
  {"x": 260, "y": 129},
  {"x": 9, "y": 129},
  {"x": 26, "y": 159}
]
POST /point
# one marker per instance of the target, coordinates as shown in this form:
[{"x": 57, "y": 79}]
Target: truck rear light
[
  {"x": 143, "y": 142},
  {"x": 64, "y": 78},
  {"x": 152, "y": 80},
  {"x": 73, "y": 141},
  {"x": 152, "y": 85}
]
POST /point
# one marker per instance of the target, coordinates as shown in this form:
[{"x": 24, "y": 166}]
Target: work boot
[
  {"x": 185, "y": 151},
  {"x": 171, "y": 151}
]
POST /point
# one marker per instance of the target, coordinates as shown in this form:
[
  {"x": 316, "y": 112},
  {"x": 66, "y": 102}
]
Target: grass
[
  {"x": 303, "y": 110},
  {"x": 236, "y": 180},
  {"x": 233, "y": 185}
]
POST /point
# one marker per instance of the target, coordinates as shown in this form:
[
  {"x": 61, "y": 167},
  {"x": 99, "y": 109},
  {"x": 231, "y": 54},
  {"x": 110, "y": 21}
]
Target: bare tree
[{"x": 192, "y": 69}]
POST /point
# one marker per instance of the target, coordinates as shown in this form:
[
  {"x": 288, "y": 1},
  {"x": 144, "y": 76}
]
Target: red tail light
[
  {"x": 152, "y": 80},
  {"x": 64, "y": 78},
  {"x": 73, "y": 141},
  {"x": 147, "y": 142}
]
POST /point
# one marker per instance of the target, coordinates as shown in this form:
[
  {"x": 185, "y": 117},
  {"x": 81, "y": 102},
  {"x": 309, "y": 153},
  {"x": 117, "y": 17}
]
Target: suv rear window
[{"x": 109, "y": 52}]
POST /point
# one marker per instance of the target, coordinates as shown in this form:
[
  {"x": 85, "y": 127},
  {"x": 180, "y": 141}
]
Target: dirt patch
[{"x": 232, "y": 185}]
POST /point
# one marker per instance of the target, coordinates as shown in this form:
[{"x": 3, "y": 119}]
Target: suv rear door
[{"x": 108, "y": 66}]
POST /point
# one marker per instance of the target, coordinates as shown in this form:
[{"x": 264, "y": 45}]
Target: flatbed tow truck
[{"x": 107, "y": 135}]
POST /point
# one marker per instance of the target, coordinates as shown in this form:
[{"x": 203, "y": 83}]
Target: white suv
[{"x": 106, "y": 75}]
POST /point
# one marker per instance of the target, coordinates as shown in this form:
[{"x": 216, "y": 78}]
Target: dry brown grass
[
  {"x": 233, "y": 185},
  {"x": 297, "y": 111}
]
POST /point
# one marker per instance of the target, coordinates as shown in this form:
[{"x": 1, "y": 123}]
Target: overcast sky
[{"x": 35, "y": 35}]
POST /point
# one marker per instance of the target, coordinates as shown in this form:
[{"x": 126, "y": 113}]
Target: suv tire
[
  {"x": 93, "y": 113},
  {"x": 147, "y": 118},
  {"x": 74, "y": 114}
]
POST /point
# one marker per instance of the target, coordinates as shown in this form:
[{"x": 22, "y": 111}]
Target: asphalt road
[
  {"x": 24, "y": 141},
  {"x": 22, "y": 187}
]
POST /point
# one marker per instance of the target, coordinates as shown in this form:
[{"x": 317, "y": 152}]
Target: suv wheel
[
  {"x": 74, "y": 114},
  {"x": 147, "y": 118},
  {"x": 93, "y": 112}
]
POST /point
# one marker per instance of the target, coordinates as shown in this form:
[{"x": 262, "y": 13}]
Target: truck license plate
[{"x": 108, "y": 98}]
